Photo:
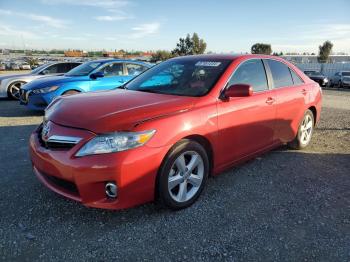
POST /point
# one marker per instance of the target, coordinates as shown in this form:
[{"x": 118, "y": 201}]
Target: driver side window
[
  {"x": 114, "y": 69},
  {"x": 251, "y": 72}
]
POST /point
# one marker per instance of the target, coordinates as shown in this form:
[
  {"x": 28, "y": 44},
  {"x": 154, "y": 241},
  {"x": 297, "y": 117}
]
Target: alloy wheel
[
  {"x": 15, "y": 88},
  {"x": 185, "y": 176},
  {"x": 306, "y": 129}
]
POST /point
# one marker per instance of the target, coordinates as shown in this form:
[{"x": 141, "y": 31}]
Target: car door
[
  {"x": 246, "y": 124},
  {"x": 291, "y": 95},
  {"x": 114, "y": 76}
]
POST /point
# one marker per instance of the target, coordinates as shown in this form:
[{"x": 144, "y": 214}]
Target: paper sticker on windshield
[{"x": 208, "y": 63}]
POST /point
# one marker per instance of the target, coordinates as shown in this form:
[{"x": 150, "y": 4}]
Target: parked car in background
[
  {"x": 163, "y": 133},
  {"x": 14, "y": 66},
  {"x": 2, "y": 67},
  {"x": 317, "y": 76},
  {"x": 11, "y": 84},
  {"x": 91, "y": 76},
  {"x": 341, "y": 79},
  {"x": 25, "y": 66}
]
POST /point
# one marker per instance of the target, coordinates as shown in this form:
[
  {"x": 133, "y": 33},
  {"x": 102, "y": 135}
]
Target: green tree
[
  {"x": 161, "y": 55},
  {"x": 191, "y": 45},
  {"x": 324, "y": 52},
  {"x": 260, "y": 48}
]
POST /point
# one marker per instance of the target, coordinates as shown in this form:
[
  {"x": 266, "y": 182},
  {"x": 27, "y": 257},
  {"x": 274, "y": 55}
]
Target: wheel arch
[
  {"x": 314, "y": 112},
  {"x": 203, "y": 141}
]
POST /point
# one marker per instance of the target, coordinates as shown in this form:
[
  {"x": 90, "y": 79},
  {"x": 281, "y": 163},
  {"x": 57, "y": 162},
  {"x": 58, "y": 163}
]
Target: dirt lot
[{"x": 283, "y": 206}]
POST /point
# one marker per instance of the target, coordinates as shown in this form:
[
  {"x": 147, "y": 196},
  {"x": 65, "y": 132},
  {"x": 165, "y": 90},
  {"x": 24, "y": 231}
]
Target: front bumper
[
  {"x": 37, "y": 102},
  {"x": 83, "y": 179},
  {"x": 346, "y": 84}
]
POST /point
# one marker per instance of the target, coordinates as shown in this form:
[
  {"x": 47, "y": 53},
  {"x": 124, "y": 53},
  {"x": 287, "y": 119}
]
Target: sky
[{"x": 226, "y": 25}]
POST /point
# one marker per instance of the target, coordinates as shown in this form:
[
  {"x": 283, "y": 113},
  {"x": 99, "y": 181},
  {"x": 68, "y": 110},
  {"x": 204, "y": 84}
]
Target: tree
[
  {"x": 260, "y": 48},
  {"x": 325, "y": 51},
  {"x": 161, "y": 55},
  {"x": 191, "y": 45}
]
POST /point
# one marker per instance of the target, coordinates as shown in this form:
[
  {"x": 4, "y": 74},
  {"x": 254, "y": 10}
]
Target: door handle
[
  {"x": 304, "y": 91},
  {"x": 270, "y": 101}
]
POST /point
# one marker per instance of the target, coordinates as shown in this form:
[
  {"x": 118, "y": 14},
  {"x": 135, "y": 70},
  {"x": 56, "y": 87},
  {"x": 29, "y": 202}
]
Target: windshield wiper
[{"x": 123, "y": 86}]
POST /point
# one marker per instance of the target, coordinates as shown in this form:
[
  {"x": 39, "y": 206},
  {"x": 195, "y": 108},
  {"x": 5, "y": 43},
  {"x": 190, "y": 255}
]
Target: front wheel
[
  {"x": 183, "y": 175},
  {"x": 70, "y": 92},
  {"x": 305, "y": 131},
  {"x": 14, "y": 89}
]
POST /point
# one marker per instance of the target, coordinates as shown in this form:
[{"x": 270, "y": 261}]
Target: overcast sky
[{"x": 226, "y": 25}]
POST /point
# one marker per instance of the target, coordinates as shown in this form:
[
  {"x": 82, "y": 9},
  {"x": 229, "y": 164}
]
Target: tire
[
  {"x": 70, "y": 92},
  {"x": 305, "y": 131},
  {"x": 14, "y": 88},
  {"x": 340, "y": 84},
  {"x": 183, "y": 175}
]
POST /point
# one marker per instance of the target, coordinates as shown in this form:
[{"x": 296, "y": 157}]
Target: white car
[
  {"x": 25, "y": 66},
  {"x": 10, "y": 85}
]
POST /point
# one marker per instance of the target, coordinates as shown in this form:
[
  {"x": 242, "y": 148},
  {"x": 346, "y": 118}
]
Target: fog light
[{"x": 111, "y": 190}]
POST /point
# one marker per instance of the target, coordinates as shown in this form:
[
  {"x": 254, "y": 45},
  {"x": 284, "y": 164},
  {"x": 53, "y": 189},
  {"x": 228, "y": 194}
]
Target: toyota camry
[{"x": 161, "y": 135}]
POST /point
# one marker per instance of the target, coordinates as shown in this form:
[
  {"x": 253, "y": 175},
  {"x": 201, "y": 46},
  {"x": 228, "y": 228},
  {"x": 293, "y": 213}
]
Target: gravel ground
[{"x": 283, "y": 206}]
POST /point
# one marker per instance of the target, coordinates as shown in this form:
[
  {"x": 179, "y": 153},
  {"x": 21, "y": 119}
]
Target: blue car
[{"x": 91, "y": 76}]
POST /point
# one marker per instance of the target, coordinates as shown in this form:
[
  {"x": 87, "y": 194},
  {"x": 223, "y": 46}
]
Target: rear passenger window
[
  {"x": 296, "y": 79},
  {"x": 280, "y": 74},
  {"x": 63, "y": 68},
  {"x": 251, "y": 72}
]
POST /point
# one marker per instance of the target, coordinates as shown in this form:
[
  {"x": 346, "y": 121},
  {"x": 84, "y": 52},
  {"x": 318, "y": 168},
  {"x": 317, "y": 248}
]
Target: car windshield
[
  {"x": 184, "y": 77},
  {"x": 84, "y": 69},
  {"x": 38, "y": 69},
  {"x": 346, "y": 73}
]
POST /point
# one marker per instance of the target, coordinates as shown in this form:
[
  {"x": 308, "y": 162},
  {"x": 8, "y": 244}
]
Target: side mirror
[
  {"x": 97, "y": 75},
  {"x": 45, "y": 72},
  {"x": 238, "y": 90}
]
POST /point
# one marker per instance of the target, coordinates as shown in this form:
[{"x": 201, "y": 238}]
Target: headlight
[
  {"x": 45, "y": 90},
  {"x": 115, "y": 142}
]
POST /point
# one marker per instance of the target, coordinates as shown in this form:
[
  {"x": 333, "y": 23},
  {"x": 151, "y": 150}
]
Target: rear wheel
[
  {"x": 14, "y": 89},
  {"x": 183, "y": 175},
  {"x": 305, "y": 131}
]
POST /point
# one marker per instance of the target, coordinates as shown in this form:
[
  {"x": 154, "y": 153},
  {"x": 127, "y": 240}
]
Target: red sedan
[{"x": 161, "y": 135}]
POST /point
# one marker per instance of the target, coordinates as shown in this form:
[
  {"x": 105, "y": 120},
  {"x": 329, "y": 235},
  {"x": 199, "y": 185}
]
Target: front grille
[
  {"x": 64, "y": 184},
  {"x": 53, "y": 145}
]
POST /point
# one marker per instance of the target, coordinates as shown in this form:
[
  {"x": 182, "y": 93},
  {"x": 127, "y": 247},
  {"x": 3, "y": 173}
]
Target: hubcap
[
  {"x": 15, "y": 89},
  {"x": 186, "y": 176},
  {"x": 306, "y": 130}
]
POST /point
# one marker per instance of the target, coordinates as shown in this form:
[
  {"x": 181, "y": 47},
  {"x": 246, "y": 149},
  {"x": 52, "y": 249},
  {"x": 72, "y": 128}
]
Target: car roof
[
  {"x": 118, "y": 60},
  {"x": 230, "y": 56}
]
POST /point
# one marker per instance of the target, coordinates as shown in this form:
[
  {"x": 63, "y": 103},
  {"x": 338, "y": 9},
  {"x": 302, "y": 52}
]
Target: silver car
[{"x": 10, "y": 85}]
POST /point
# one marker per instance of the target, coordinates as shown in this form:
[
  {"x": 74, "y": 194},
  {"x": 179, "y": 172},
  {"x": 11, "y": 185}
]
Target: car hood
[
  {"x": 116, "y": 110},
  {"x": 3, "y": 77},
  {"x": 51, "y": 81}
]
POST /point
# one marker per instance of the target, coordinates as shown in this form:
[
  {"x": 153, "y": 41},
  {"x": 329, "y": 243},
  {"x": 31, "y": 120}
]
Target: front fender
[
  {"x": 81, "y": 86},
  {"x": 200, "y": 121}
]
